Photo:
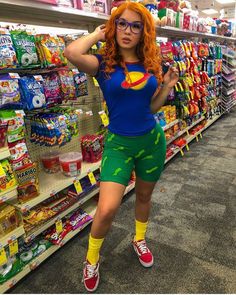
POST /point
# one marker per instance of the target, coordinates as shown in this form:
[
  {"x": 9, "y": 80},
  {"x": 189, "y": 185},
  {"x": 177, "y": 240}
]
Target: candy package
[
  {"x": 62, "y": 46},
  {"x": 32, "y": 93},
  {"x": 52, "y": 91},
  {"x": 26, "y": 52},
  {"x": 19, "y": 154},
  {"x": 7, "y": 178},
  {"x": 3, "y": 133},
  {"x": 9, "y": 91},
  {"x": 7, "y": 51},
  {"x": 16, "y": 129},
  {"x": 81, "y": 83},
  {"x": 27, "y": 178},
  {"x": 166, "y": 52},
  {"x": 57, "y": 238},
  {"x": 8, "y": 219},
  {"x": 11, "y": 268},
  {"x": 67, "y": 84},
  {"x": 79, "y": 218}
]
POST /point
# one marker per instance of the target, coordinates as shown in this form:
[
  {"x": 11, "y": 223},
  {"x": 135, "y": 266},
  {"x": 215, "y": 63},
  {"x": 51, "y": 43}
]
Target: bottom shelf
[{"x": 90, "y": 207}]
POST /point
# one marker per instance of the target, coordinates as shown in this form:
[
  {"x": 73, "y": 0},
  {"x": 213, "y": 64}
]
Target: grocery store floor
[{"x": 192, "y": 231}]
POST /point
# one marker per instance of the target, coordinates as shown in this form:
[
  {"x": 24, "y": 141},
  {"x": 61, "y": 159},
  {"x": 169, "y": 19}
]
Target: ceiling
[{"x": 204, "y": 4}]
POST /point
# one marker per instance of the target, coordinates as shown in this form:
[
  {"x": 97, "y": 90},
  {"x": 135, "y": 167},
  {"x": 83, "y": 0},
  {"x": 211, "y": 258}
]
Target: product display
[{"x": 50, "y": 123}]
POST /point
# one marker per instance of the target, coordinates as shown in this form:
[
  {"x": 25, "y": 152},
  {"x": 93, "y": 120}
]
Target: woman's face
[{"x": 129, "y": 28}]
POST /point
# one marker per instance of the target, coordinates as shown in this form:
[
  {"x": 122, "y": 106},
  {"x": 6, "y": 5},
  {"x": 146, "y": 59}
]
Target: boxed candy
[{"x": 8, "y": 219}]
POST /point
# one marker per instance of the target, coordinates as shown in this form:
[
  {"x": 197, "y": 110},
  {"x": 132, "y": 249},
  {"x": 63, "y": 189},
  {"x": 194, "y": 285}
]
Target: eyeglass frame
[{"x": 128, "y": 24}]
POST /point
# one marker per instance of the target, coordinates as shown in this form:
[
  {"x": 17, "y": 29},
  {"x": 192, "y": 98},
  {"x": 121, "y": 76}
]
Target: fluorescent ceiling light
[
  {"x": 209, "y": 11},
  {"x": 226, "y": 1}
]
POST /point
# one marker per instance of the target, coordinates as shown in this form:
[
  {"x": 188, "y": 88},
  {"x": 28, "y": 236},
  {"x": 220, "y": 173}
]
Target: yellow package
[{"x": 7, "y": 178}]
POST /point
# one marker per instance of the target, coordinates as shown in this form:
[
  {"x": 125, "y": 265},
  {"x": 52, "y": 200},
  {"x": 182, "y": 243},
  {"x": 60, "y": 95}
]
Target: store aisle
[{"x": 192, "y": 231}]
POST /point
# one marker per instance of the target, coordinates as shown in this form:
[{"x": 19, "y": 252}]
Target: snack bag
[
  {"x": 9, "y": 91},
  {"x": 19, "y": 154},
  {"x": 81, "y": 83},
  {"x": 7, "y": 179},
  {"x": 67, "y": 84},
  {"x": 27, "y": 178},
  {"x": 52, "y": 91},
  {"x": 62, "y": 46},
  {"x": 51, "y": 51},
  {"x": 16, "y": 129},
  {"x": 79, "y": 218},
  {"x": 167, "y": 52},
  {"x": 25, "y": 49},
  {"x": 7, "y": 51},
  {"x": 32, "y": 92}
]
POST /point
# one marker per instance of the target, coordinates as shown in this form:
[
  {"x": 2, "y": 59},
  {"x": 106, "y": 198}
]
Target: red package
[
  {"x": 3, "y": 133},
  {"x": 167, "y": 52}
]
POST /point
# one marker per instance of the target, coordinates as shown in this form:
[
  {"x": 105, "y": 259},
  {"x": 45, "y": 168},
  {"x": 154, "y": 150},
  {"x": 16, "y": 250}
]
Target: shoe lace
[
  {"x": 142, "y": 247},
  {"x": 91, "y": 270}
]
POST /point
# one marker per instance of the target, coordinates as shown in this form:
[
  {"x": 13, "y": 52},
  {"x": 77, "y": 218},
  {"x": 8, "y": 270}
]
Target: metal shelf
[
  {"x": 30, "y": 12},
  {"x": 8, "y": 195},
  {"x": 50, "y": 184},
  {"x": 13, "y": 235},
  {"x": 38, "y": 230},
  {"x": 171, "y": 124},
  {"x": 176, "y": 32},
  {"x": 4, "y": 153}
]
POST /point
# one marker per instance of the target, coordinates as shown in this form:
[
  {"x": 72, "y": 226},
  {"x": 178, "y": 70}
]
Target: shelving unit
[
  {"x": 8, "y": 195},
  {"x": 50, "y": 184},
  {"x": 4, "y": 153},
  {"x": 13, "y": 235}
]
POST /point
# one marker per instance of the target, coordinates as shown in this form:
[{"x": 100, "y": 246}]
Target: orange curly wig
[{"x": 147, "y": 50}]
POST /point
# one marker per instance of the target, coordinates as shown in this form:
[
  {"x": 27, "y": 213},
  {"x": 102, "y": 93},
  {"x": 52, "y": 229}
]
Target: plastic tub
[
  {"x": 71, "y": 163},
  {"x": 50, "y": 162}
]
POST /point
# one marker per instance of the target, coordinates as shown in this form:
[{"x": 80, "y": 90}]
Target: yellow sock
[
  {"x": 141, "y": 228},
  {"x": 94, "y": 249}
]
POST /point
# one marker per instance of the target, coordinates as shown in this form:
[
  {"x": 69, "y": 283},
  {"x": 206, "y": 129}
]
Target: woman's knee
[
  {"x": 143, "y": 197},
  {"x": 105, "y": 213}
]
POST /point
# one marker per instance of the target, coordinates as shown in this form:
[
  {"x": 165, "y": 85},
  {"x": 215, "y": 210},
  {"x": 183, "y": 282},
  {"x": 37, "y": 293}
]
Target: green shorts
[{"x": 145, "y": 154}]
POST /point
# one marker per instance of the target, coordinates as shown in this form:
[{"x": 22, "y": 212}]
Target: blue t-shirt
[{"x": 128, "y": 102}]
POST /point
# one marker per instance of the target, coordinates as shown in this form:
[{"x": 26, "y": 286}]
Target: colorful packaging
[
  {"x": 19, "y": 154},
  {"x": 52, "y": 91},
  {"x": 9, "y": 91},
  {"x": 62, "y": 46},
  {"x": 51, "y": 51},
  {"x": 81, "y": 83},
  {"x": 27, "y": 178},
  {"x": 16, "y": 129},
  {"x": 50, "y": 162},
  {"x": 7, "y": 179},
  {"x": 3, "y": 133},
  {"x": 32, "y": 93},
  {"x": 10, "y": 269},
  {"x": 7, "y": 51},
  {"x": 25, "y": 49},
  {"x": 79, "y": 218},
  {"x": 56, "y": 238},
  {"x": 67, "y": 84},
  {"x": 71, "y": 163},
  {"x": 167, "y": 52}
]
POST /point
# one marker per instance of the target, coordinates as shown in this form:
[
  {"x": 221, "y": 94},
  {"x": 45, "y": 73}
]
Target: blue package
[
  {"x": 9, "y": 91},
  {"x": 33, "y": 93}
]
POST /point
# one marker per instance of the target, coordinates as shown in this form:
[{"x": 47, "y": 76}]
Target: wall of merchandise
[{"x": 53, "y": 123}]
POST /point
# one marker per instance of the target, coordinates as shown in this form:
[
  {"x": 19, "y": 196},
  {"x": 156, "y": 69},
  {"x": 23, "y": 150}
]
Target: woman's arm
[
  {"x": 76, "y": 52},
  {"x": 169, "y": 81}
]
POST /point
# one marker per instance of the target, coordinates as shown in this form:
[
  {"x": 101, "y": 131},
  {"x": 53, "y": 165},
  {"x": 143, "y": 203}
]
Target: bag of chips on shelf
[
  {"x": 32, "y": 93},
  {"x": 7, "y": 178},
  {"x": 52, "y": 91},
  {"x": 26, "y": 52},
  {"x": 9, "y": 91},
  {"x": 81, "y": 83},
  {"x": 19, "y": 154},
  {"x": 67, "y": 84},
  {"x": 7, "y": 52},
  {"x": 62, "y": 46},
  {"x": 28, "y": 181}
]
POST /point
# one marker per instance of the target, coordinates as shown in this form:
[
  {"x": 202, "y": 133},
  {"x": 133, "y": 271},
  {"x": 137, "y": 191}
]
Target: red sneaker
[
  {"x": 91, "y": 276},
  {"x": 144, "y": 254}
]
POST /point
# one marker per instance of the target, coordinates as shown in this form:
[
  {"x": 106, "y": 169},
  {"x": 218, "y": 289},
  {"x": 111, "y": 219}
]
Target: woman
[{"x": 129, "y": 72}]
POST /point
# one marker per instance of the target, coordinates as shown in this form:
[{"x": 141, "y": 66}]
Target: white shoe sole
[{"x": 145, "y": 264}]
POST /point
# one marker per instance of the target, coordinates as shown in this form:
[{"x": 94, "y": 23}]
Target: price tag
[
  {"x": 89, "y": 113},
  {"x": 197, "y": 138},
  {"x": 182, "y": 153},
  {"x": 14, "y": 75},
  {"x": 59, "y": 226},
  {"x": 187, "y": 147},
  {"x": 75, "y": 71},
  {"x": 187, "y": 133},
  {"x": 3, "y": 199},
  {"x": 79, "y": 111},
  {"x": 3, "y": 256},
  {"x": 95, "y": 82},
  {"x": 38, "y": 78},
  {"x": 13, "y": 247},
  {"x": 78, "y": 186},
  {"x": 92, "y": 178},
  {"x": 20, "y": 113},
  {"x": 105, "y": 119},
  {"x": 200, "y": 134}
]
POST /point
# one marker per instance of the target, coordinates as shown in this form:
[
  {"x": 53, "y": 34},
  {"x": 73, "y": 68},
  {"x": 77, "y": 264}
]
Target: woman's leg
[{"x": 110, "y": 197}]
